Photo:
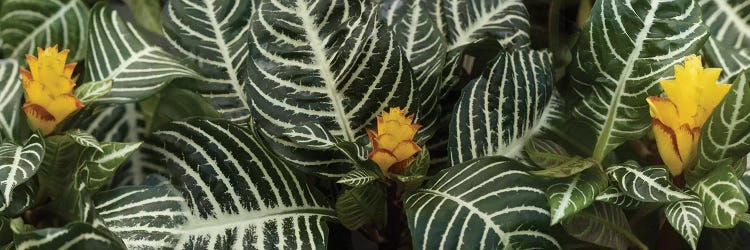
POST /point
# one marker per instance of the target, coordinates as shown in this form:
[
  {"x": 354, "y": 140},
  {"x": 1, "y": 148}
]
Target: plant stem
[{"x": 393, "y": 230}]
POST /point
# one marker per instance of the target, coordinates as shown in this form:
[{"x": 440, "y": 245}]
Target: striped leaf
[
  {"x": 363, "y": 175},
  {"x": 545, "y": 153},
  {"x": 424, "y": 45},
  {"x": 467, "y": 21},
  {"x": 723, "y": 201},
  {"x": 312, "y": 135},
  {"x": 686, "y": 216},
  {"x": 602, "y": 224},
  {"x": 145, "y": 217},
  {"x": 103, "y": 163},
  {"x": 22, "y": 199},
  {"x": 485, "y": 203},
  {"x": 363, "y": 205},
  {"x": 10, "y": 94},
  {"x": 77, "y": 235},
  {"x": 498, "y": 112},
  {"x": 89, "y": 92},
  {"x": 28, "y": 24},
  {"x": 240, "y": 195},
  {"x": 570, "y": 195},
  {"x": 728, "y": 47},
  {"x": 614, "y": 196},
  {"x": 726, "y": 134},
  {"x": 745, "y": 178},
  {"x": 18, "y": 164},
  {"x": 571, "y": 167},
  {"x": 625, "y": 48},
  {"x": 119, "y": 52},
  {"x": 646, "y": 184},
  {"x": 84, "y": 139},
  {"x": 304, "y": 66},
  {"x": 213, "y": 35}
]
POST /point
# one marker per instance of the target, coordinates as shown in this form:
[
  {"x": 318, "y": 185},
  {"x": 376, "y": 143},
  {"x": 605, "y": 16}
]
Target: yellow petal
[
  {"x": 39, "y": 118},
  {"x": 683, "y": 95},
  {"x": 711, "y": 96},
  {"x": 383, "y": 158},
  {"x": 663, "y": 109},
  {"x": 666, "y": 142},
  {"x": 386, "y": 141},
  {"x": 405, "y": 149}
]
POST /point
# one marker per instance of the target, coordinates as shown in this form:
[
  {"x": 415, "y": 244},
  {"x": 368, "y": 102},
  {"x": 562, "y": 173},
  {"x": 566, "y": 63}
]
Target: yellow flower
[
  {"x": 393, "y": 144},
  {"x": 691, "y": 97},
  {"x": 48, "y": 87}
]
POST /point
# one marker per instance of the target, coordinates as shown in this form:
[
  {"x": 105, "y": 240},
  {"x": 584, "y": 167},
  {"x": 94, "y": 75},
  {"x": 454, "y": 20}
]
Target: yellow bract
[
  {"x": 393, "y": 144},
  {"x": 48, "y": 87},
  {"x": 691, "y": 97}
]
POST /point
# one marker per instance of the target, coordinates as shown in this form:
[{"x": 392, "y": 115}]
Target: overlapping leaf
[
  {"x": 28, "y": 24},
  {"x": 10, "y": 98},
  {"x": 239, "y": 194},
  {"x": 77, "y": 235},
  {"x": 613, "y": 195},
  {"x": 119, "y": 52},
  {"x": 686, "y": 216},
  {"x": 625, "y": 48},
  {"x": 18, "y": 164},
  {"x": 723, "y": 201},
  {"x": 602, "y": 224},
  {"x": 467, "y": 21},
  {"x": 647, "y": 184},
  {"x": 213, "y": 35},
  {"x": 304, "y": 66},
  {"x": 728, "y": 47},
  {"x": 570, "y": 195},
  {"x": 498, "y": 112},
  {"x": 486, "y": 203},
  {"x": 726, "y": 134},
  {"x": 145, "y": 217}
]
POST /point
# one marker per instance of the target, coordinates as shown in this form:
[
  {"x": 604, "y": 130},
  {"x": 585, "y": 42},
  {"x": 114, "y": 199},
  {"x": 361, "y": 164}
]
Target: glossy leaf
[
  {"x": 727, "y": 48},
  {"x": 686, "y": 216},
  {"x": 646, "y": 184},
  {"x": 723, "y": 201},
  {"x": 89, "y": 92},
  {"x": 18, "y": 164},
  {"x": 11, "y": 92},
  {"x": 614, "y": 196},
  {"x": 602, "y": 224},
  {"x": 570, "y": 195},
  {"x": 363, "y": 205}
]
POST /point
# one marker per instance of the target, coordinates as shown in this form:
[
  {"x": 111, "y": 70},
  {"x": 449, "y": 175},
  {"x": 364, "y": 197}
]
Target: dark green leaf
[
  {"x": 362, "y": 205},
  {"x": 568, "y": 196}
]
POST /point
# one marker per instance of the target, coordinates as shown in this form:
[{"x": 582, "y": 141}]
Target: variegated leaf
[
  {"x": 28, "y": 24},
  {"x": 723, "y": 201},
  {"x": 726, "y": 134},
  {"x": 613, "y": 195},
  {"x": 570, "y": 195},
  {"x": 363, "y": 205},
  {"x": 467, "y": 21},
  {"x": 311, "y": 135},
  {"x": 213, "y": 35},
  {"x": 361, "y": 176},
  {"x": 602, "y": 224},
  {"x": 145, "y": 217},
  {"x": 240, "y": 195},
  {"x": 686, "y": 216},
  {"x": 625, "y": 48},
  {"x": 76, "y": 235},
  {"x": 119, "y": 52},
  {"x": 104, "y": 162},
  {"x": 84, "y": 139},
  {"x": 485, "y": 203},
  {"x": 89, "y": 92},
  {"x": 728, "y": 47},
  {"x": 646, "y": 184},
  {"x": 10, "y": 94},
  {"x": 22, "y": 199},
  {"x": 305, "y": 66},
  {"x": 489, "y": 119},
  {"x": 18, "y": 164}
]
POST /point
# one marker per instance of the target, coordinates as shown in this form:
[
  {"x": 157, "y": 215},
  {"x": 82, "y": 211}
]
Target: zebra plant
[{"x": 300, "y": 124}]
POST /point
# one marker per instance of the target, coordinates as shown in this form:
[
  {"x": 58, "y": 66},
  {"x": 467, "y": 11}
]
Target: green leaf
[
  {"x": 84, "y": 139},
  {"x": 730, "y": 36},
  {"x": 363, "y": 205},
  {"x": 303, "y": 74},
  {"x": 485, "y": 203},
  {"x": 467, "y": 21},
  {"x": 424, "y": 46},
  {"x": 686, "y": 217},
  {"x": 722, "y": 198},
  {"x": 103, "y": 164},
  {"x": 6, "y": 233},
  {"x": 488, "y": 120},
  {"x": 312, "y": 135},
  {"x": 147, "y": 13},
  {"x": 145, "y": 217},
  {"x": 237, "y": 189},
  {"x": 58, "y": 165},
  {"x": 177, "y": 104},
  {"x": 602, "y": 224},
  {"x": 613, "y": 195},
  {"x": 570, "y": 195},
  {"x": 11, "y": 117},
  {"x": 646, "y": 184},
  {"x": 77, "y": 235},
  {"x": 120, "y": 53},
  {"x": 624, "y": 50},
  {"x": 214, "y": 36},
  {"x": 571, "y": 167},
  {"x": 546, "y": 153},
  {"x": 89, "y": 92},
  {"x": 21, "y": 200},
  {"x": 28, "y": 24},
  {"x": 18, "y": 164},
  {"x": 726, "y": 134},
  {"x": 365, "y": 173}
]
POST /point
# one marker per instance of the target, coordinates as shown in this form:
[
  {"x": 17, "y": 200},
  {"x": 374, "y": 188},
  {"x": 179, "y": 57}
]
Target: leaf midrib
[
  {"x": 200, "y": 226},
  {"x": 50, "y": 20},
  {"x": 600, "y": 150}
]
